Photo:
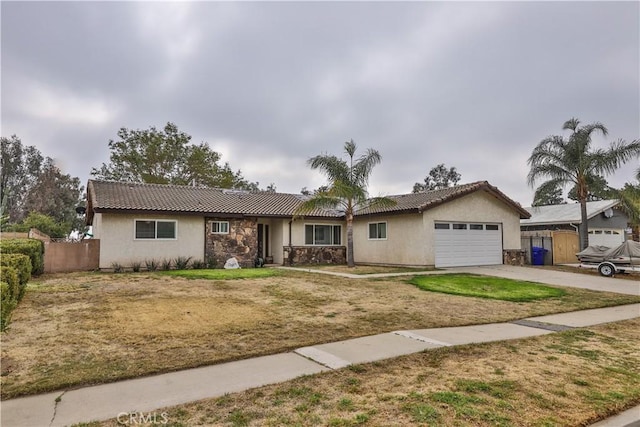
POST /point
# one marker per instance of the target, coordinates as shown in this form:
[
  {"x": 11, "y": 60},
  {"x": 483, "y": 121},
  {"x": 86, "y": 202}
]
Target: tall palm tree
[
  {"x": 347, "y": 187},
  {"x": 572, "y": 160}
]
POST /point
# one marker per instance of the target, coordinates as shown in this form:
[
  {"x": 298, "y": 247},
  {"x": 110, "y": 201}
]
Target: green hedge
[
  {"x": 18, "y": 259},
  {"x": 7, "y": 304},
  {"x": 22, "y": 264},
  {"x": 33, "y": 248},
  {"x": 10, "y": 292},
  {"x": 9, "y": 275}
]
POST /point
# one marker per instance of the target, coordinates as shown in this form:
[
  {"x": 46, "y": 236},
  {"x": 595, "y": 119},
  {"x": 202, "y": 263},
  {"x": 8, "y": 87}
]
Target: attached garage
[
  {"x": 460, "y": 244},
  {"x": 467, "y": 225}
]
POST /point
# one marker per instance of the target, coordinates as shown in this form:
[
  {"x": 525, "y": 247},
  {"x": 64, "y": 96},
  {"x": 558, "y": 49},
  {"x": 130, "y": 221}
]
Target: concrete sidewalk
[{"x": 154, "y": 392}]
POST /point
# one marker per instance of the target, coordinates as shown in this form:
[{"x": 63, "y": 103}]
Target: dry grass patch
[
  {"x": 566, "y": 379},
  {"x": 364, "y": 269},
  {"x": 80, "y": 329}
]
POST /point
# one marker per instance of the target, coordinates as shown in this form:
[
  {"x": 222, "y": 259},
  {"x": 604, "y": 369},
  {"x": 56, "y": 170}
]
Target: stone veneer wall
[
  {"x": 514, "y": 257},
  {"x": 315, "y": 255},
  {"x": 241, "y": 242}
]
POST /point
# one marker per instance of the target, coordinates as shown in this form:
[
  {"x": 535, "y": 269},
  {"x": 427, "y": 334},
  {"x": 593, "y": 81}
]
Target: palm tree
[
  {"x": 565, "y": 161},
  {"x": 347, "y": 187}
]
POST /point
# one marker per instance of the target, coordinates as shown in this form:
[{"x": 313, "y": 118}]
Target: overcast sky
[{"x": 472, "y": 85}]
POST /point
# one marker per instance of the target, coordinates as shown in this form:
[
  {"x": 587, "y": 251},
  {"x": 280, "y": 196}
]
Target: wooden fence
[{"x": 561, "y": 246}]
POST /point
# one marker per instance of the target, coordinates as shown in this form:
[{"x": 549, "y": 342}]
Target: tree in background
[
  {"x": 166, "y": 157},
  {"x": 629, "y": 197},
  {"x": 598, "y": 190},
  {"x": 44, "y": 223},
  {"x": 439, "y": 177},
  {"x": 21, "y": 167},
  {"x": 549, "y": 193},
  {"x": 306, "y": 192},
  {"x": 32, "y": 184},
  {"x": 63, "y": 194},
  {"x": 346, "y": 188},
  {"x": 573, "y": 161}
]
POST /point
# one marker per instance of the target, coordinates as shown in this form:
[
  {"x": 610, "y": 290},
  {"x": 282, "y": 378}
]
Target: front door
[{"x": 263, "y": 241}]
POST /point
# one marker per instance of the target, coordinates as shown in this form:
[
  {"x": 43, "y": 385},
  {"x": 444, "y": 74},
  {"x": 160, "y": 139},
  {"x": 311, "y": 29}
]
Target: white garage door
[
  {"x": 459, "y": 244},
  {"x": 604, "y": 237}
]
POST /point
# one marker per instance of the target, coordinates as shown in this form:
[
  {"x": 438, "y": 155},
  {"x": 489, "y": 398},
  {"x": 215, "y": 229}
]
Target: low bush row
[
  {"x": 179, "y": 263},
  {"x": 32, "y": 248},
  {"x": 15, "y": 272}
]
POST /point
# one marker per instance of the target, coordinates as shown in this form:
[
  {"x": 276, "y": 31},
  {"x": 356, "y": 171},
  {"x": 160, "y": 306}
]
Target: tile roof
[
  {"x": 109, "y": 196},
  {"x": 565, "y": 214},
  {"x": 120, "y": 196},
  {"x": 420, "y": 202}
]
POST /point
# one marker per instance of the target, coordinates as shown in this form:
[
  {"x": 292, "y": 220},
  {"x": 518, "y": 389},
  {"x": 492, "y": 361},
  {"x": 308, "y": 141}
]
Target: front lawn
[
  {"x": 78, "y": 329},
  {"x": 486, "y": 287},
  {"x": 222, "y": 274}
]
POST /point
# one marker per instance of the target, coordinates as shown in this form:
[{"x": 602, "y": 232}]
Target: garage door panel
[{"x": 457, "y": 247}]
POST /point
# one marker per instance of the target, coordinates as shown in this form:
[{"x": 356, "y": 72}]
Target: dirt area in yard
[
  {"x": 79, "y": 329},
  {"x": 364, "y": 269}
]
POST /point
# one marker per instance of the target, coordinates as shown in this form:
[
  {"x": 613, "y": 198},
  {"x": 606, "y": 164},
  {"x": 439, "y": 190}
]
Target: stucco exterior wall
[
  {"x": 76, "y": 256},
  {"x": 118, "y": 243},
  {"x": 278, "y": 230},
  {"x": 404, "y": 245}
]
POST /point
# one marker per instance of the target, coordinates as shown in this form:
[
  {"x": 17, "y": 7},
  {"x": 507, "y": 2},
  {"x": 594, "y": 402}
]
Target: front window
[
  {"x": 322, "y": 235},
  {"x": 219, "y": 227},
  {"x": 152, "y": 229},
  {"x": 377, "y": 230}
]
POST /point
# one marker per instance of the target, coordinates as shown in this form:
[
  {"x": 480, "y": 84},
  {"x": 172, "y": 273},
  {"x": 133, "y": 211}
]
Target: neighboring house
[
  {"x": 607, "y": 223},
  {"x": 472, "y": 224}
]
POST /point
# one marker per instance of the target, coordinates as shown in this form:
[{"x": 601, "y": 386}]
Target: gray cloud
[{"x": 472, "y": 85}]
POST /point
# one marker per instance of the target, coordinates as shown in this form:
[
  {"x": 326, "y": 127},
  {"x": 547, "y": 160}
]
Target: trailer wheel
[{"x": 607, "y": 269}]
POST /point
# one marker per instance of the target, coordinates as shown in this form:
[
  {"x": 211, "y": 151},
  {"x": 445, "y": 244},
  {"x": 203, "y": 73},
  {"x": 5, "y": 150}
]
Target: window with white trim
[
  {"x": 146, "y": 229},
  {"x": 322, "y": 234},
  {"x": 377, "y": 231},
  {"x": 219, "y": 227}
]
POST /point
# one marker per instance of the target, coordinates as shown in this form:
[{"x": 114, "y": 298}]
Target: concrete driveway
[{"x": 559, "y": 278}]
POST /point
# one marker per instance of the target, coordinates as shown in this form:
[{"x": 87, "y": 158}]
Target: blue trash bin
[{"x": 537, "y": 255}]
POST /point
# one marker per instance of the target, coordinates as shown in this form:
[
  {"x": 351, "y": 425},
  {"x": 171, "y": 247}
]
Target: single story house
[
  {"x": 471, "y": 224},
  {"x": 607, "y": 223}
]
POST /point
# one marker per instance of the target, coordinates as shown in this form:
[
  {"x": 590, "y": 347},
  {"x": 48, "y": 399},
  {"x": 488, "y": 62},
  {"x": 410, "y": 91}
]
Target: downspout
[
  {"x": 290, "y": 252},
  {"x": 577, "y": 228},
  {"x": 204, "y": 255}
]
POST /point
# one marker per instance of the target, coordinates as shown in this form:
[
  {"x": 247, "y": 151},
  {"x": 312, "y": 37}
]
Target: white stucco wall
[
  {"x": 277, "y": 229},
  {"x": 404, "y": 244},
  {"x": 410, "y": 238},
  {"x": 118, "y": 243}
]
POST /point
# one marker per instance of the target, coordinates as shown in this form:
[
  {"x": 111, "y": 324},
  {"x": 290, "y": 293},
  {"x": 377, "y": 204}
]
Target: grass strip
[
  {"x": 471, "y": 285},
  {"x": 221, "y": 274}
]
